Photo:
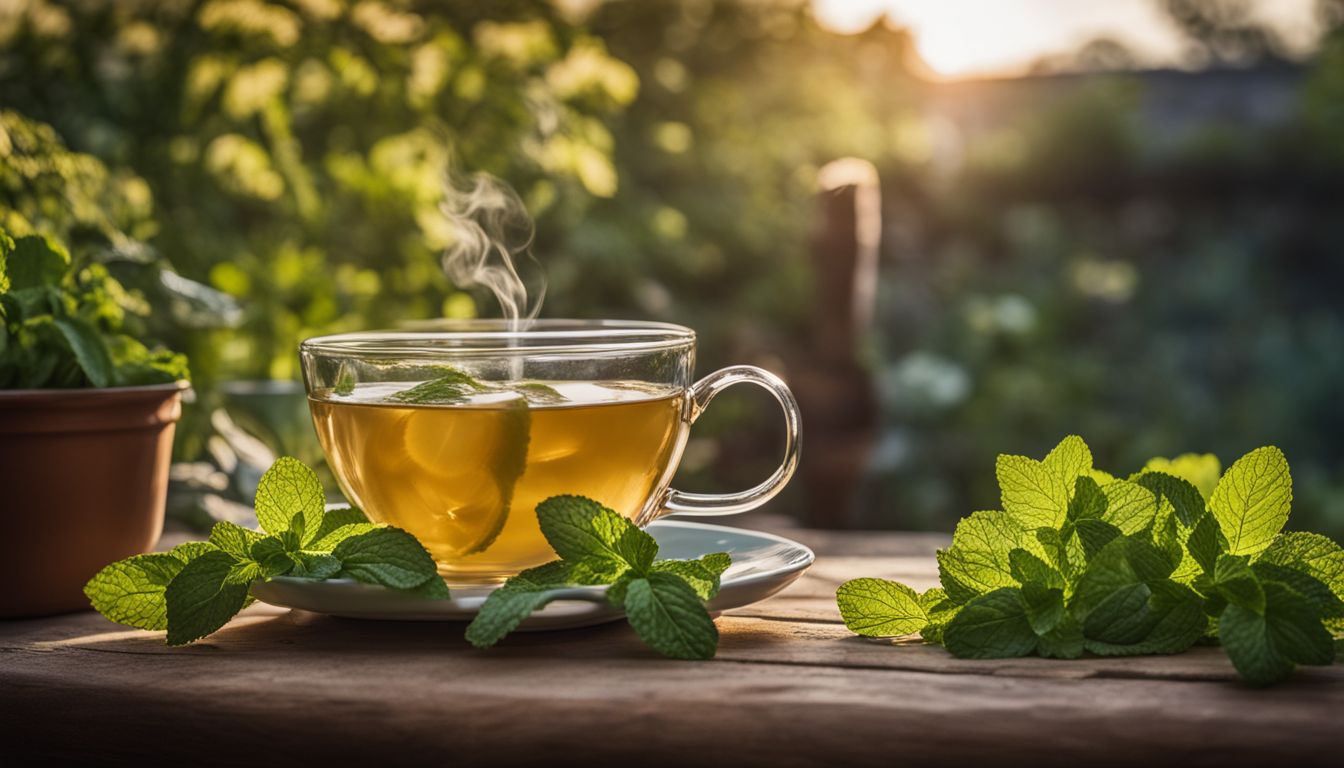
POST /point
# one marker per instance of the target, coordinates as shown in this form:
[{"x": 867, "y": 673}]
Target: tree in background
[{"x": 296, "y": 150}]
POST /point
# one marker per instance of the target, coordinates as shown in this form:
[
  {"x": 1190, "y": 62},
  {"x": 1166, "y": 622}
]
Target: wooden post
[{"x": 834, "y": 388}]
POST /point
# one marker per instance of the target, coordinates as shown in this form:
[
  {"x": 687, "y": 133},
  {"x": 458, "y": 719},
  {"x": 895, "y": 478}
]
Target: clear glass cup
[{"x": 457, "y": 433}]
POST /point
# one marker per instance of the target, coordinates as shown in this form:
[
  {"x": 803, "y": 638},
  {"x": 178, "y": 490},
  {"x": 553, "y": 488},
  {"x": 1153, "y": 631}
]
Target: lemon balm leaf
[
  {"x": 669, "y": 616},
  {"x": 502, "y": 612},
  {"x": 978, "y": 560},
  {"x": 1264, "y": 646},
  {"x": 131, "y": 591},
  {"x": 992, "y": 626},
  {"x": 334, "y": 537},
  {"x": 1174, "y": 495},
  {"x": 1129, "y": 506},
  {"x": 1070, "y": 459},
  {"x": 702, "y": 575},
  {"x": 1252, "y": 500},
  {"x": 1206, "y": 542},
  {"x": 1034, "y": 495},
  {"x": 389, "y": 557},
  {"x": 506, "y": 607},
  {"x": 880, "y": 608},
  {"x": 579, "y": 528},
  {"x": 333, "y": 520},
  {"x": 234, "y": 539},
  {"x": 202, "y": 598},
  {"x": 1314, "y": 555},
  {"x": 314, "y": 565},
  {"x": 289, "y": 497}
]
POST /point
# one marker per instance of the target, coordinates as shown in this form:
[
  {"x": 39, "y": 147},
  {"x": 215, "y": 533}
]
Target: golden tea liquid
[{"x": 466, "y": 479}]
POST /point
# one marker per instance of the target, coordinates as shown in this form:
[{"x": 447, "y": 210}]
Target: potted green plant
[{"x": 87, "y": 415}]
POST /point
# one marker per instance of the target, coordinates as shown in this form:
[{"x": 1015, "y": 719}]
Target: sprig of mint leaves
[
  {"x": 1078, "y": 561},
  {"x": 664, "y": 600},
  {"x": 195, "y": 588}
]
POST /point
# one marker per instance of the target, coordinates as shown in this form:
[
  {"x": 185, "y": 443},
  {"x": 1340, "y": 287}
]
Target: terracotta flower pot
[{"x": 83, "y": 478}]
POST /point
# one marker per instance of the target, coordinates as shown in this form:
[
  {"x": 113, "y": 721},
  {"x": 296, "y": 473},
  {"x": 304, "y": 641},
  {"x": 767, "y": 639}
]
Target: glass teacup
[{"x": 456, "y": 434}]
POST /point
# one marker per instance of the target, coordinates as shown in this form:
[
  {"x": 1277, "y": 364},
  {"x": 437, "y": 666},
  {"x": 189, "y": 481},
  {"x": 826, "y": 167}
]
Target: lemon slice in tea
[{"x": 468, "y": 461}]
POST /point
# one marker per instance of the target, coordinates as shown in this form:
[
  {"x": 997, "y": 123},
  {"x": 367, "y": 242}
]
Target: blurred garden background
[{"x": 1120, "y": 219}]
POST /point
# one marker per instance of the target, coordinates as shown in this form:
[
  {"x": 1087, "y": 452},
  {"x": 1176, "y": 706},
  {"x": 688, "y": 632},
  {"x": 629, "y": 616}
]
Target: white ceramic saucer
[{"x": 763, "y": 564}]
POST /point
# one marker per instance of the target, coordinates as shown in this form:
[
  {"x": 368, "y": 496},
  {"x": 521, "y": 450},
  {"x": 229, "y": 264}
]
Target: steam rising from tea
[{"x": 492, "y": 229}]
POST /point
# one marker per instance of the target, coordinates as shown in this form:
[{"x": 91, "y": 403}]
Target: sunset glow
[{"x": 968, "y": 38}]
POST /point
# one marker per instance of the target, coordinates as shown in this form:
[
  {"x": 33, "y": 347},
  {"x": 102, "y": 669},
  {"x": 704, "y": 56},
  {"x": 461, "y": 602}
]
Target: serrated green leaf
[
  {"x": 940, "y": 609},
  {"x": 1063, "y": 641},
  {"x": 1185, "y": 499},
  {"x": 274, "y": 554},
  {"x": 433, "y": 589},
  {"x": 1315, "y": 555},
  {"x": 880, "y": 608},
  {"x": 1129, "y": 506},
  {"x": 245, "y": 572},
  {"x": 289, "y": 497},
  {"x": 1070, "y": 459},
  {"x": 1322, "y": 600},
  {"x": 1056, "y": 550},
  {"x": 992, "y": 626},
  {"x": 314, "y": 565},
  {"x": 1170, "y": 620},
  {"x": 1206, "y": 542},
  {"x": 978, "y": 560},
  {"x": 668, "y": 616},
  {"x": 1120, "y": 617},
  {"x": 387, "y": 556},
  {"x": 234, "y": 539},
  {"x": 1045, "y": 606},
  {"x": 335, "y": 536},
  {"x": 702, "y": 574},
  {"x": 1252, "y": 500},
  {"x": 1088, "y": 502},
  {"x": 201, "y": 598},
  {"x": 502, "y": 612},
  {"x": 190, "y": 550},
  {"x": 1124, "y": 562},
  {"x": 1033, "y": 495},
  {"x": 1093, "y": 535},
  {"x": 131, "y": 591},
  {"x": 1237, "y": 583},
  {"x": 1265, "y": 647},
  {"x": 1201, "y": 470},
  {"x": 320, "y": 536},
  {"x": 1028, "y": 568},
  {"x": 578, "y": 528}
]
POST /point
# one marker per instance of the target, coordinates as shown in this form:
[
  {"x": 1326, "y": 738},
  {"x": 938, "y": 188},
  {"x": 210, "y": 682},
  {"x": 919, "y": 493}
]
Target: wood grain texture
[{"x": 789, "y": 687}]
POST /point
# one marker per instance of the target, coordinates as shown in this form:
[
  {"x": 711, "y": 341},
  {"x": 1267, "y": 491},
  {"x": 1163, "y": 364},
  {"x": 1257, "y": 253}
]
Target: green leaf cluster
[
  {"x": 664, "y": 600},
  {"x": 62, "y": 327},
  {"x": 195, "y": 588},
  {"x": 1078, "y": 561}
]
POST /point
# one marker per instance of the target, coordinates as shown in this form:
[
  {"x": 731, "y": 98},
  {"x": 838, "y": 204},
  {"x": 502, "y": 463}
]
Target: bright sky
[{"x": 961, "y": 38}]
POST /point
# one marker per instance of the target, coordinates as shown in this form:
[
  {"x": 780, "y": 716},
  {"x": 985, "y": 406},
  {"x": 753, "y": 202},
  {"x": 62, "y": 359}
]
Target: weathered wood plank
[
  {"x": 356, "y": 690},
  {"x": 790, "y": 686}
]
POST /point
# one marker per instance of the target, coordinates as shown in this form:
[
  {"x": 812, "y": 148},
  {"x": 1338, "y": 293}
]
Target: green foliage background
[{"x": 1072, "y": 270}]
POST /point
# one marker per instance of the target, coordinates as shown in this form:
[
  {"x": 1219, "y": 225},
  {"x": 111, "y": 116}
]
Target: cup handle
[{"x": 676, "y": 502}]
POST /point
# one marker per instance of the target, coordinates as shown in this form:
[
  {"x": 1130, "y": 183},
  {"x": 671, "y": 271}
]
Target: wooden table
[{"x": 790, "y": 686}]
